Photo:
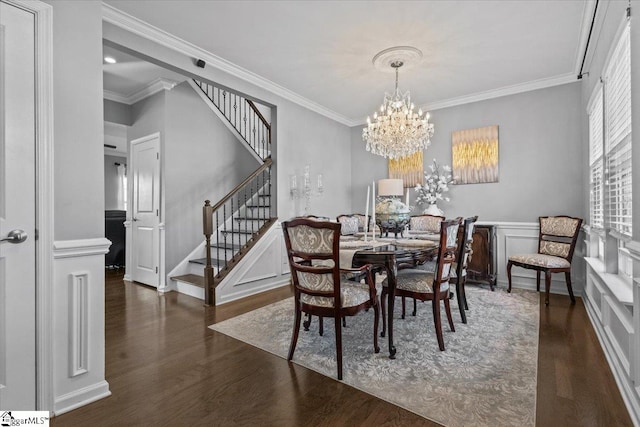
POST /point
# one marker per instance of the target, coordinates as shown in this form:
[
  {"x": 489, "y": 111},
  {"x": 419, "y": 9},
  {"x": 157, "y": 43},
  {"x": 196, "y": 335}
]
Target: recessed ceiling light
[{"x": 109, "y": 60}]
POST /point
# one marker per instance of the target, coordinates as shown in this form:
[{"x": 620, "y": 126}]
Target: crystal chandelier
[{"x": 397, "y": 130}]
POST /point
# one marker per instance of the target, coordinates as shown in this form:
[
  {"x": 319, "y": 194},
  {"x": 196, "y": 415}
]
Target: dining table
[{"x": 389, "y": 256}]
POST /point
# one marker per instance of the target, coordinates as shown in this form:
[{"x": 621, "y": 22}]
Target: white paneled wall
[
  {"x": 78, "y": 323},
  {"x": 613, "y": 306},
  {"x": 266, "y": 267}
]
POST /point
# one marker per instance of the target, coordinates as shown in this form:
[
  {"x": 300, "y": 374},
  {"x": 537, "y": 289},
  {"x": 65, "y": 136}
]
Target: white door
[
  {"x": 145, "y": 171},
  {"x": 17, "y": 209}
]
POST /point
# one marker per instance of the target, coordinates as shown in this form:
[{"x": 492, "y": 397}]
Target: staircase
[{"x": 236, "y": 222}]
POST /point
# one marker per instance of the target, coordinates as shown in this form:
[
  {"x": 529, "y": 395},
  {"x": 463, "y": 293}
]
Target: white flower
[{"x": 435, "y": 183}]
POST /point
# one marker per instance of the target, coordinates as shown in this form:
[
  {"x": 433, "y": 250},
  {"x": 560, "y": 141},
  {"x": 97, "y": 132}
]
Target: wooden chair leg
[
  {"x": 376, "y": 322},
  {"x": 461, "y": 300},
  {"x": 415, "y": 308},
  {"x": 464, "y": 292},
  {"x": 321, "y": 325},
  {"x": 403, "y": 307},
  {"x": 509, "y": 275},
  {"x": 567, "y": 276},
  {"x": 339, "y": 345},
  {"x": 538, "y": 280},
  {"x": 344, "y": 321},
  {"x": 296, "y": 329},
  {"x": 435, "y": 305},
  {"x": 383, "y": 305},
  {"x": 547, "y": 286},
  {"x": 447, "y": 308},
  {"x": 307, "y": 322}
]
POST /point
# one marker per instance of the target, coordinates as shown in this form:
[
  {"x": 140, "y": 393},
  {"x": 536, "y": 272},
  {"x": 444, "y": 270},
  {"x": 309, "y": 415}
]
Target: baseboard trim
[{"x": 84, "y": 396}]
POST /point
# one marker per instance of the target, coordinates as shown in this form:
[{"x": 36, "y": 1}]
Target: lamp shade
[{"x": 390, "y": 187}]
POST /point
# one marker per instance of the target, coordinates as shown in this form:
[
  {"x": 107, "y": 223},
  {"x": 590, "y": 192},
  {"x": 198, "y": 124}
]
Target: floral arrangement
[
  {"x": 391, "y": 206},
  {"x": 434, "y": 185}
]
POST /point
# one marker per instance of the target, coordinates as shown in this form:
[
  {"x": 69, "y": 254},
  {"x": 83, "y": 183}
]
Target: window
[
  {"x": 609, "y": 120},
  {"x": 617, "y": 137},
  {"x": 596, "y": 119}
]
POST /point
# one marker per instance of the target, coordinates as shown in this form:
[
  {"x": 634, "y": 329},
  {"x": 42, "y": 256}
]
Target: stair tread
[{"x": 193, "y": 279}]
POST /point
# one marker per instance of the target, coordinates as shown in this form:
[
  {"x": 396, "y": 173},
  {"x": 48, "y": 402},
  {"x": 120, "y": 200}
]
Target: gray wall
[
  {"x": 78, "y": 120},
  {"x": 202, "y": 160},
  {"x": 111, "y": 181},
  {"x": 117, "y": 112},
  {"x": 541, "y": 149}
]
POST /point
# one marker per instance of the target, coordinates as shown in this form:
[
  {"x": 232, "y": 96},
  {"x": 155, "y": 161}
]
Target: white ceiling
[{"x": 322, "y": 50}]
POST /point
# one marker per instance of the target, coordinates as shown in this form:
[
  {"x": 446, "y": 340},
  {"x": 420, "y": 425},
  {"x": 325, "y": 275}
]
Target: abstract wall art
[{"x": 475, "y": 155}]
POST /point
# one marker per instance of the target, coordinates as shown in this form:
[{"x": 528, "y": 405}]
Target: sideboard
[{"x": 482, "y": 265}]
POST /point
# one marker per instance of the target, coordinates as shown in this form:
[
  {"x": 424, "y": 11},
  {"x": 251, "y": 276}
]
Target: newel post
[{"x": 207, "y": 229}]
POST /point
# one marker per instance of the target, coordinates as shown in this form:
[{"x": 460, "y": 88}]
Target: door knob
[
  {"x": 15, "y": 236},
  {"x": 135, "y": 219}
]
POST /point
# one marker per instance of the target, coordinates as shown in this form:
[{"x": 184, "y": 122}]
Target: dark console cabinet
[
  {"x": 482, "y": 266},
  {"x": 114, "y": 231}
]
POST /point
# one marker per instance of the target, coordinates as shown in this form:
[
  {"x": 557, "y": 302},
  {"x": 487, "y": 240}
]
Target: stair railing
[
  {"x": 243, "y": 115},
  {"x": 219, "y": 221}
]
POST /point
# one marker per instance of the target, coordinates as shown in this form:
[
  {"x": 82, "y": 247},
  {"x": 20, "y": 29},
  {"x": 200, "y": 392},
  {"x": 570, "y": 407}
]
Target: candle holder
[{"x": 305, "y": 191}]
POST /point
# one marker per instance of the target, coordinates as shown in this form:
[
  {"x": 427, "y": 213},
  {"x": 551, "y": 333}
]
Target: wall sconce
[{"x": 305, "y": 191}]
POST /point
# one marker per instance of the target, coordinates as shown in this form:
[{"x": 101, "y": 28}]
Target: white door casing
[
  {"x": 145, "y": 172},
  {"x": 17, "y": 208}
]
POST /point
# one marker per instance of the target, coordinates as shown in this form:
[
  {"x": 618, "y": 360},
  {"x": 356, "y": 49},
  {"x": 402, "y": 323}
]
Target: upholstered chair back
[
  {"x": 426, "y": 223},
  {"x": 350, "y": 224},
  {"x": 558, "y": 235},
  {"x": 464, "y": 246},
  {"x": 446, "y": 251},
  {"x": 313, "y": 252}
]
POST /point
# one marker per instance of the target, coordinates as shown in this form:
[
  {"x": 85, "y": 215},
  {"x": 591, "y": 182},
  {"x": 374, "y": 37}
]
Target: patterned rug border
[{"x": 308, "y": 364}]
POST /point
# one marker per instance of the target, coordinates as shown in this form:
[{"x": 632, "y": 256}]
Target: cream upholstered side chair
[
  {"x": 425, "y": 226},
  {"x": 426, "y": 286},
  {"x": 313, "y": 249},
  {"x": 351, "y": 223},
  {"x": 556, "y": 243}
]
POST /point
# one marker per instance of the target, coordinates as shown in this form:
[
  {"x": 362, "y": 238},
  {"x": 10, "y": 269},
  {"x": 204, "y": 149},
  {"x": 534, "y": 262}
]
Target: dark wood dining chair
[
  {"x": 313, "y": 250},
  {"x": 430, "y": 286},
  {"x": 556, "y": 243},
  {"x": 459, "y": 271}
]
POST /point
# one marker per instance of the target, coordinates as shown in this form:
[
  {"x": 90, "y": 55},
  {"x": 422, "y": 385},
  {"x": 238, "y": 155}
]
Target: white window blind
[
  {"x": 596, "y": 120},
  {"x": 617, "y": 112}
]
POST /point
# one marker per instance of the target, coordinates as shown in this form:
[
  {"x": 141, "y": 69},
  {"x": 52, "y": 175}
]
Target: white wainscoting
[
  {"x": 521, "y": 238},
  {"x": 261, "y": 271},
  {"x": 78, "y": 323},
  {"x": 613, "y": 307}
]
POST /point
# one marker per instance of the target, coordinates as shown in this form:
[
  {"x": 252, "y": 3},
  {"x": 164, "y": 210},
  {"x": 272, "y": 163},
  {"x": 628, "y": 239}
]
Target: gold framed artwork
[
  {"x": 475, "y": 155},
  {"x": 409, "y": 169}
]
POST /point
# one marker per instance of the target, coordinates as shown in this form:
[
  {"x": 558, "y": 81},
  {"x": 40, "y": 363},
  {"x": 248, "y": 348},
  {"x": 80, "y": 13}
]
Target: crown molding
[
  {"x": 158, "y": 85},
  {"x": 141, "y": 28},
  {"x": 503, "y": 91}
]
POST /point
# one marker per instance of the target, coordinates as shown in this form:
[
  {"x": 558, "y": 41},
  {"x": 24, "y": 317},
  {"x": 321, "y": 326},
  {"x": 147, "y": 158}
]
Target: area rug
[{"x": 486, "y": 377}]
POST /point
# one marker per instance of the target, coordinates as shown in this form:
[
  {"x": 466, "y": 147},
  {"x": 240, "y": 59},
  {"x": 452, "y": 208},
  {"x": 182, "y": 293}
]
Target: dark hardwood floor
[{"x": 165, "y": 367}]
